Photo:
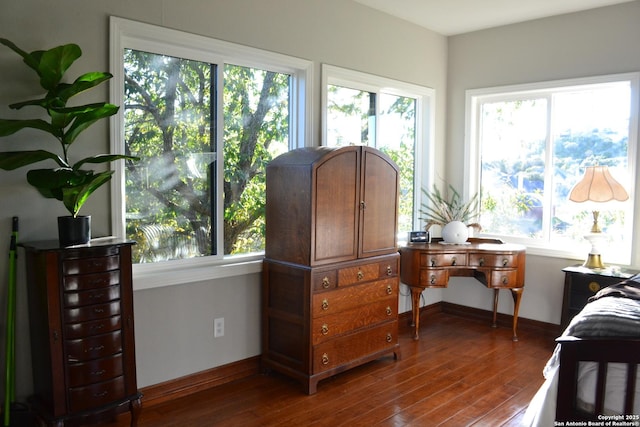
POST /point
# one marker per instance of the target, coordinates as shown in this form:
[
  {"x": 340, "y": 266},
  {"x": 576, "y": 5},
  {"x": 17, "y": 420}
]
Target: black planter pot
[{"x": 74, "y": 230}]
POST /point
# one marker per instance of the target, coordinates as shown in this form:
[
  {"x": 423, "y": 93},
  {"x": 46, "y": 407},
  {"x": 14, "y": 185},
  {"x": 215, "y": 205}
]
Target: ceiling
[{"x": 450, "y": 17}]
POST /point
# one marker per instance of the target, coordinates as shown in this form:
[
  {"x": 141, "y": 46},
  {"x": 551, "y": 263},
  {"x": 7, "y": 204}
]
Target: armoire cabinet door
[{"x": 379, "y": 206}]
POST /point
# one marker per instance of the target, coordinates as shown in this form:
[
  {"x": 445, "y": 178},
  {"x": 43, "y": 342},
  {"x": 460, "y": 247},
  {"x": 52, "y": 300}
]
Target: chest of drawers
[
  {"x": 320, "y": 321},
  {"x": 82, "y": 332}
]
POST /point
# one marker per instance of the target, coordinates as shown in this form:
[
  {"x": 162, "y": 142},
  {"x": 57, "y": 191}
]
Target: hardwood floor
[{"x": 461, "y": 372}]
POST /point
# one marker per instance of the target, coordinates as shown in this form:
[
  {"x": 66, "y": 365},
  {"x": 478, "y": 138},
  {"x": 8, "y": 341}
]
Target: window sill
[{"x": 181, "y": 272}]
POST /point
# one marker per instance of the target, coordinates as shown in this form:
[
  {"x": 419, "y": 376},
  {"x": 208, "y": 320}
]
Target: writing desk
[{"x": 496, "y": 264}]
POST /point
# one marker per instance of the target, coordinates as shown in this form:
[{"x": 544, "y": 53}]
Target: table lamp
[{"x": 597, "y": 186}]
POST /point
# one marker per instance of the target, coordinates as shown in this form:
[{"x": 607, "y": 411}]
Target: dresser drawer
[
  {"x": 93, "y": 296},
  {"x": 96, "y": 395},
  {"x": 90, "y": 265},
  {"x": 350, "y": 347},
  {"x": 503, "y": 279},
  {"x": 324, "y": 280},
  {"x": 91, "y": 281},
  {"x": 330, "y": 326},
  {"x": 443, "y": 260},
  {"x": 91, "y": 312},
  {"x": 83, "y": 349},
  {"x": 95, "y": 371},
  {"x": 434, "y": 277},
  {"x": 360, "y": 274},
  {"x": 493, "y": 260},
  {"x": 94, "y": 327},
  {"x": 325, "y": 303}
]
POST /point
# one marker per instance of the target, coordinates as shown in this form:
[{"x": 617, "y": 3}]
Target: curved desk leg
[
  {"x": 494, "y": 324},
  {"x": 516, "y": 293},
  {"x": 416, "y": 292}
]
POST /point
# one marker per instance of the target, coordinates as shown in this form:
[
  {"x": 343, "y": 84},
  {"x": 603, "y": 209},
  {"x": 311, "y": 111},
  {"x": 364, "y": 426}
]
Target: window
[
  {"x": 204, "y": 117},
  {"x": 529, "y": 145},
  {"x": 391, "y": 116}
]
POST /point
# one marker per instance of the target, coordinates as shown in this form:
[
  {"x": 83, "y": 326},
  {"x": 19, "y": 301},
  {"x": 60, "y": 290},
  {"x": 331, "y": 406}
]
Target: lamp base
[{"x": 594, "y": 261}]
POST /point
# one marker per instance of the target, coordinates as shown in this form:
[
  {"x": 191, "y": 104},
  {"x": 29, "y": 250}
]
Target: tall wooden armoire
[{"x": 330, "y": 291}]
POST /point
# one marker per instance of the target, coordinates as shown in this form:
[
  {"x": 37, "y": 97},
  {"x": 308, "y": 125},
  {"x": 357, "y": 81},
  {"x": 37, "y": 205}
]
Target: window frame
[
  {"x": 472, "y": 159},
  {"x": 126, "y": 33},
  {"x": 424, "y": 155}
]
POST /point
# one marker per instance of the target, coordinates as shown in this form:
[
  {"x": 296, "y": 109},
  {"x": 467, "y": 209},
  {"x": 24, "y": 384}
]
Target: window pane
[
  {"x": 512, "y": 141},
  {"x": 591, "y": 126},
  {"x": 350, "y": 116},
  {"x": 168, "y": 123},
  {"x": 256, "y": 129},
  {"x": 351, "y": 119},
  {"x": 534, "y": 147},
  {"x": 397, "y": 139}
]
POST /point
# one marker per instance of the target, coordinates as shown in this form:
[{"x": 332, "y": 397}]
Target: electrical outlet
[{"x": 218, "y": 327}]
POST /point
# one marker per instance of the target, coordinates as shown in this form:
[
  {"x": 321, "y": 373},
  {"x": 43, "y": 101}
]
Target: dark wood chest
[
  {"x": 331, "y": 272},
  {"x": 82, "y": 331}
]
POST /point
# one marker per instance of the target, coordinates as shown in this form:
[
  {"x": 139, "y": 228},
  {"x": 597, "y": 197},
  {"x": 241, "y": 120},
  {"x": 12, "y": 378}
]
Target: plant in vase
[
  {"x": 451, "y": 213},
  {"x": 67, "y": 182}
]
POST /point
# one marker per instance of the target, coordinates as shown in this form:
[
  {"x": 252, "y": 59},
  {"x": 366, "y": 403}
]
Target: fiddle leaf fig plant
[{"x": 68, "y": 182}]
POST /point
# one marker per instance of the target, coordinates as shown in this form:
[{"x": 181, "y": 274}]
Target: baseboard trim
[{"x": 199, "y": 381}]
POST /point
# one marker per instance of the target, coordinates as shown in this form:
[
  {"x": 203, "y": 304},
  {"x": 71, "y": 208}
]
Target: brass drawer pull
[
  {"x": 325, "y": 329},
  {"x": 432, "y": 279},
  {"x": 505, "y": 262},
  {"x": 98, "y": 373},
  {"x": 594, "y": 287},
  {"x": 433, "y": 262},
  {"x": 96, "y": 348},
  {"x": 389, "y": 270},
  {"x": 101, "y": 394},
  {"x": 453, "y": 261},
  {"x": 389, "y": 338},
  {"x": 481, "y": 262},
  {"x": 325, "y": 359},
  {"x": 389, "y": 290},
  {"x": 389, "y": 311},
  {"x": 505, "y": 280},
  {"x": 325, "y": 304},
  {"x": 360, "y": 275},
  {"x": 325, "y": 282}
]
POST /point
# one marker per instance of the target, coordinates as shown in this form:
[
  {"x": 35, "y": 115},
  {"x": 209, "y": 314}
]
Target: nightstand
[{"x": 581, "y": 283}]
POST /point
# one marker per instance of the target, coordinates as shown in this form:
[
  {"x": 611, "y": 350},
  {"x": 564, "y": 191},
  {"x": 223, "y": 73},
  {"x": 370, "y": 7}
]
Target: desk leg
[
  {"x": 415, "y": 309},
  {"x": 494, "y": 324},
  {"x": 516, "y": 293}
]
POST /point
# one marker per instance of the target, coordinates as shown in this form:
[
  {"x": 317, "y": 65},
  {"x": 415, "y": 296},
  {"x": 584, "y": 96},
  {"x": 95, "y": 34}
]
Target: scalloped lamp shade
[{"x": 598, "y": 186}]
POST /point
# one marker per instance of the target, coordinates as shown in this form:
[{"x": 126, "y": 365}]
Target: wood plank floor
[{"x": 461, "y": 372}]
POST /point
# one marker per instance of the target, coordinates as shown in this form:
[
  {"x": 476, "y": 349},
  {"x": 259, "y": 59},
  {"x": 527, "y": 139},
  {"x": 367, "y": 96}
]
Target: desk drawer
[
  {"x": 96, "y": 395},
  {"x": 94, "y": 327},
  {"x": 434, "y": 277},
  {"x": 95, "y": 371},
  {"x": 90, "y": 265},
  {"x": 493, "y": 260},
  {"x": 93, "y": 348},
  {"x": 93, "y": 296},
  {"x": 443, "y": 260},
  {"x": 79, "y": 282},
  {"x": 503, "y": 279}
]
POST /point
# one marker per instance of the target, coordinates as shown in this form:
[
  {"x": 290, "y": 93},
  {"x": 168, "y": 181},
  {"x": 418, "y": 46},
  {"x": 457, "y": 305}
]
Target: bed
[{"x": 592, "y": 373}]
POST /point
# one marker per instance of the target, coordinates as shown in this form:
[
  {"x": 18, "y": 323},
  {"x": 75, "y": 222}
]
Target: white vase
[{"x": 455, "y": 232}]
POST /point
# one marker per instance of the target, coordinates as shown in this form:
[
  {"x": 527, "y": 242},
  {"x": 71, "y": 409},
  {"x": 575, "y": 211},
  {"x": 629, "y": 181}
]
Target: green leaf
[
  {"x": 55, "y": 62},
  {"x": 29, "y": 59},
  {"x": 86, "y": 119},
  {"x": 81, "y": 84},
  {"x": 10, "y": 160},
  {"x": 9, "y": 127},
  {"x": 104, "y": 158},
  {"x": 72, "y": 187}
]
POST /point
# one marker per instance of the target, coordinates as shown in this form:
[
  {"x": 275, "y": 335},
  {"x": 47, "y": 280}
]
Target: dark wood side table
[
  {"x": 495, "y": 264},
  {"x": 580, "y": 283}
]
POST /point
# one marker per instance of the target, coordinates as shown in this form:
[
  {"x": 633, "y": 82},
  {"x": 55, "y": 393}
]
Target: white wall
[
  {"x": 174, "y": 325},
  {"x": 595, "y": 42}
]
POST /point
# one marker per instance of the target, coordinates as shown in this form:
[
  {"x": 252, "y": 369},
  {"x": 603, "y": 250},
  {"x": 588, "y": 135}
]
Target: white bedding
[{"x": 604, "y": 317}]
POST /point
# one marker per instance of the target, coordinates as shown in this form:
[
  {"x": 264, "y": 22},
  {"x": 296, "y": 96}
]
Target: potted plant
[
  {"x": 451, "y": 213},
  {"x": 68, "y": 181}
]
